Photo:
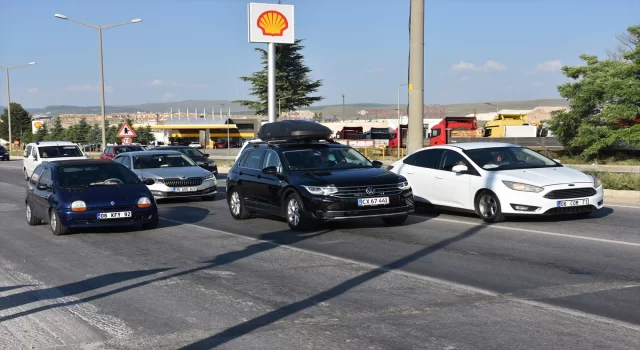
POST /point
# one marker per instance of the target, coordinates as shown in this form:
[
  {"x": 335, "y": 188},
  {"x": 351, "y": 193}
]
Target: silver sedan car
[{"x": 174, "y": 174}]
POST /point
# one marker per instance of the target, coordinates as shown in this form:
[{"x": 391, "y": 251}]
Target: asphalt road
[{"x": 203, "y": 280}]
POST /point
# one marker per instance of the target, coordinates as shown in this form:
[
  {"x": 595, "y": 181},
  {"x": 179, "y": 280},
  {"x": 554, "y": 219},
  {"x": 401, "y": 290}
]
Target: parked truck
[
  {"x": 450, "y": 127},
  {"x": 378, "y": 134},
  {"x": 351, "y": 133},
  {"x": 396, "y": 138},
  {"x": 495, "y": 127}
]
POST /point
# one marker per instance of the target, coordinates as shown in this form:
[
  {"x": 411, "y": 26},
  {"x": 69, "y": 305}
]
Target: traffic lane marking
[{"x": 443, "y": 282}]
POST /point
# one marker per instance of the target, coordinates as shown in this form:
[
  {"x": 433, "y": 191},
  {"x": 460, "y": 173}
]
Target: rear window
[
  {"x": 107, "y": 174},
  {"x": 60, "y": 151},
  {"x": 125, "y": 149}
]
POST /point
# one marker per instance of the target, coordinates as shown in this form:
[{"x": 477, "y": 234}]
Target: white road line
[
  {"x": 526, "y": 230},
  {"x": 427, "y": 279}
]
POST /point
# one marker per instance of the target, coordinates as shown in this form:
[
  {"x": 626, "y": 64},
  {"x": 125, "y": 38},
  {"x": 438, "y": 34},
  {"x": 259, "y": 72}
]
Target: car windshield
[
  {"x": 154, "y": 161},
  {"x": 60, "y": 151},
  {"x": 104, "y": 174},
  {"x": 325, "y": 159},
  {"x": 125, "y": 149},
  {"x": 509, "y": 158},
  {"x": 191, "y": 152}
]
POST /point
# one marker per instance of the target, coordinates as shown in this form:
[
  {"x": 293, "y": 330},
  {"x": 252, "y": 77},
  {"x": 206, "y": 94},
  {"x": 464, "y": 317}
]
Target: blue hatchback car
[{"x": 74, "y": 194}]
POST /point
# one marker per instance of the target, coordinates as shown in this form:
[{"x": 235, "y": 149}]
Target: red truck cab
[
  {"x": 394, "y": 140},
  {"x": 438, "y": 135}
]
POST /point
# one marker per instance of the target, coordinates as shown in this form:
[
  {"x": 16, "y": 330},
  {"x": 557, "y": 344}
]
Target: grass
[{"x": 618, "y": 181}]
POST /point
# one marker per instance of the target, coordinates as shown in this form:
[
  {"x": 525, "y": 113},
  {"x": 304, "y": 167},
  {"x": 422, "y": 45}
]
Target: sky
[{"x": 475, "y": 50}]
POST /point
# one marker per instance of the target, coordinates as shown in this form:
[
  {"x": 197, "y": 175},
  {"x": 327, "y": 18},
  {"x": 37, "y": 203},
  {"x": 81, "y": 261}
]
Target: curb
[{"x": 619, "y": 196}]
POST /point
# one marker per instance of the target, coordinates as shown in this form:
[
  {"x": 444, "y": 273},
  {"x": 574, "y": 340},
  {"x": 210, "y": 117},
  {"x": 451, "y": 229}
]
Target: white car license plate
[
  {"x": 185, "y": 189},
  {"x": 373, "y": 201},
  {"x": 573, "y": 203},
  {"x": 116, "y": 215}
]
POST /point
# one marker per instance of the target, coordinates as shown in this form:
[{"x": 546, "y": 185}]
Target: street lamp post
[
  {"x": 6, "y": 70},
  {"x": 491, "y": 104},
  {"x": 399, "y": 130},
  {"x": 100, "y": 28}
]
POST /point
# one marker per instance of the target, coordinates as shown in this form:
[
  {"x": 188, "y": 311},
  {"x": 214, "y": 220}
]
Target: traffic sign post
[{"x": 126, "y": 133}]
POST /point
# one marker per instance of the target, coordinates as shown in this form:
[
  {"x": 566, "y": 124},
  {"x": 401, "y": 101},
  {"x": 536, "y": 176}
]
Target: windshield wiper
[{"x": 102, "y": 183}]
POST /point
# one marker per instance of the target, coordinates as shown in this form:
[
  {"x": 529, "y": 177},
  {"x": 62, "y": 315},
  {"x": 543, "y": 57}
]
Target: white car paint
[
  {"x": 33, "y": 154},
  {"x": 449, "y": 188}
]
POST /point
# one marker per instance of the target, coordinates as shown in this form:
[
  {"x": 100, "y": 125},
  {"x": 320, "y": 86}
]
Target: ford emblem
[{"x": 370, "y": 191}]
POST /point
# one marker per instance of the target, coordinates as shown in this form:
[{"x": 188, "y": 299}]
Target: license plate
[
  {"x": 573, "y": 203},
  {"x": 373, "y": 201},
  {"x": 185, "y": 189},
  {"x": 115, "y": 215}
]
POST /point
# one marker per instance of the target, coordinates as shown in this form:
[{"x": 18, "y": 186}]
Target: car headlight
[
  {"x": 596, "y": 181},
  {"x": 212, "y": 162},
  {"x": 78, "y": 206},
  {"x": 144, "y": 202},
  {"x": 209, "y": 177},
  {"x": 321, "y": 191},
  {"x": 404, "y": 185},
  {"x": 516, "y": 186}
]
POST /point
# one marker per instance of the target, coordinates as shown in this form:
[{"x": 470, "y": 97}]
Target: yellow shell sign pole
[{"x": 271, "y": 24}]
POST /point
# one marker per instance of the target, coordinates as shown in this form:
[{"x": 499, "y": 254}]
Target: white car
[
  {"x": 37, "y": 152},
  {"x": 195, "y": 145},
  {"x": 245, "y": 145},
  {"x": 498, "y": 179}
]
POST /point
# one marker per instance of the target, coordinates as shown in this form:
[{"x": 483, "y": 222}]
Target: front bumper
[
  {"x": 527, "y": 203},
  {"x": 162, "y": 191},
  {"x": 89, "y": 218},
  {"x": 340, "y": 208}
]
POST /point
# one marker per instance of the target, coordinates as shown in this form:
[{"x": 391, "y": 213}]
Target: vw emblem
[
  {"x": 370, "y": 190},
  {"x": 113, "y": 203}
]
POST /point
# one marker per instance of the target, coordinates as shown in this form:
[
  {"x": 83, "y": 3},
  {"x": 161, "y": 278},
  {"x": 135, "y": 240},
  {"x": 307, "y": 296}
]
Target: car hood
[
  {"x": 102, "y": 196},
  {"x": 169, "y": 173},
  {"x": 62, "y": 158},
  {"x": 545, "y": 176},
  {"x": 349, "y": 177}
]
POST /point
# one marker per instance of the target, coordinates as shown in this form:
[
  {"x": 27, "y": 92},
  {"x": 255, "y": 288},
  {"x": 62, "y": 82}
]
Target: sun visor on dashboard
[{"x": 294, "y": 130}]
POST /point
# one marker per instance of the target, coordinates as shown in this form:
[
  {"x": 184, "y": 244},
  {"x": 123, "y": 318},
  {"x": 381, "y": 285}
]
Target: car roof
[
  {"x": 53, "y": 143},
  {"x": 124, "y": 145},
  {"x": 170, "y": 147},
  {"x": 79, "y": 161},
  {"x": 150, "y": 153},
  {"x": 475, "y": 145}
]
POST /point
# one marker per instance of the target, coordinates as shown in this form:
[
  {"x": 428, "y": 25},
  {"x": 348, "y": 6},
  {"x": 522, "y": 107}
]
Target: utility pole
[
  {"x": 415, "y": 132},
  {"x": 342, "y": 107}
]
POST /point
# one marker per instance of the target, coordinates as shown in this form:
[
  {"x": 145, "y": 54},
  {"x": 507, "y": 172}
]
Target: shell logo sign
[
  {"x": 271, "y": 23},
  {"x": 37, "y": 125}
]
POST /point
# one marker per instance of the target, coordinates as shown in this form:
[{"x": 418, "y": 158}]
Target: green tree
[
  {"x": 317, "y": 117},
  {"x": 42, "y": 134},
  {"x": 95, "y": 134},
  {"x": 82, "y": 131},
  {"x": 604, "y": 102},
  {"x": 144, "y": 135},
  {"x": 294, "y": 85},
  {"x": 20, "y": 122},
  {"x": 57, "y": 130}
]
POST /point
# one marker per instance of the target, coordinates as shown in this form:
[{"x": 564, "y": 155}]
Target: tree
[
  {"x": 95, "y": 134},
  {"x": 317, "y": 117},
  {"x": 57, "y": 131},
  {"x": 20, "y": 123},
  {"x": 144, "y": 135},
  {"x": 82, "y": 131},
  {"x": 604, "y": 102},
  {"x": 42, "y": 134},
  {"x": 70, "y": 133},
  {"x": 294, "y": 85},
  {"x": 626, "y": 42}
]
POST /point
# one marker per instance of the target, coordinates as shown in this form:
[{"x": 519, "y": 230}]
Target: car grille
[
  {"x": 571, "y": 210},
  {"x": 361, "y": 191},
  {"x": 571, "y": 193},
  {"x": 192, "y": 181}
]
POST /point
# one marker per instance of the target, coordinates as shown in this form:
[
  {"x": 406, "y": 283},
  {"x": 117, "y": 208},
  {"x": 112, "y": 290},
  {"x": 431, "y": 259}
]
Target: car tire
[
  {"x": 488, "y": 207},
  {"x": 26, "y": 176},
  {"x": 151, "y": 225},
  {"x": 236, "y": 206},
  {"x": 32, "y": 220},
  {"x": 56, "y": 226},
  {"x": 297, "y": 217},
  {"x": 395, "y": 220}
]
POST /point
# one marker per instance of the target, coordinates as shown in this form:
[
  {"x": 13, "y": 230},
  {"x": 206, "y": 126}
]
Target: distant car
[
  {"x": 112, "y": 151},
  {"x": 4, "y": 154},
  {"x": 202, "y": 159},
  {"x": 75, "y": 194},
  {"x": 37, "y": 152},
  {"x": 223, "y": 144},
  {"x": 173, "y": 173},
  {"x": 195, "y": 145},
  {"x": 498, "y": 179},
  {"x": 247, "y": 144}
]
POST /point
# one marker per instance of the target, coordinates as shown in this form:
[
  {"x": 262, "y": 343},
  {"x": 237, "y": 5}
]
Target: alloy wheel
[
  {"x": 488, "y": 206},
  {"x": 293, "y": 212},
  {"x": 235, "y": 203}
]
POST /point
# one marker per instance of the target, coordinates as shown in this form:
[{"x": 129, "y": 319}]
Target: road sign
[
  {"x": 126, "y": 131},
  {"x": 126, "y": 140},
  {"x": 271, "y": 23}
]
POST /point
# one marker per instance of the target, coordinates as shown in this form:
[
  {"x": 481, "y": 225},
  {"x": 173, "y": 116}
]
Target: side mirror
[
  {"x": 377, "y": 164},
  {"x": 271, "y": 170},
  {"x": 207, "y": 155},
  {"x": 459, "y": 169},
  {"x": 557, "y": 161},
  {"x": 43, "y": 187},
  {"x": 148, "y": 181}
]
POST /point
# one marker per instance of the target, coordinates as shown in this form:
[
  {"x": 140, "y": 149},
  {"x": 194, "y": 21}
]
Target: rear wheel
[
  {"x": 297, "y": 217},
  {"x": 236, "y": 206},
  {"x": 26, "y": 177},
  {"x": 395, "y": 220},
  {"x": 488, "y": 207},
  {"x": 31, "y": 219},
  {"x": 57, "y": 227}
]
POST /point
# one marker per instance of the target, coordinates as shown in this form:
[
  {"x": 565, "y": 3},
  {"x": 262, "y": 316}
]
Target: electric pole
[
  {"x": 415, "y": 132},
  {"x": 342, "y": 107}
]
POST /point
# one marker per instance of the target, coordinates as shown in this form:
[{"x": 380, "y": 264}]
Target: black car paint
[
  {"x": 4, "y": 154},
  {"x": 207, "y": 164},
  {"x": 265, "y": 190}
]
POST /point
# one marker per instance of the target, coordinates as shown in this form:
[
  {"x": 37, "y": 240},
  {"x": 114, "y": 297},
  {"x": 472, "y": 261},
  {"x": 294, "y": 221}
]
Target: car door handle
[
  {"x": 240, "y": 173},
  {"x": 410, "y": 172}
]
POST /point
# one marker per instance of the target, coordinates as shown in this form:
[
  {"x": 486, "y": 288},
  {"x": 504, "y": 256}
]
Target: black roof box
[{"x": 294, "y": 130}]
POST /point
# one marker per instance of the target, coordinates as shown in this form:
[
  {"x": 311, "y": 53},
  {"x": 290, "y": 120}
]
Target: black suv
[
  {"x": 307, "y": 178},
  {"x": 4, "y": 153}
]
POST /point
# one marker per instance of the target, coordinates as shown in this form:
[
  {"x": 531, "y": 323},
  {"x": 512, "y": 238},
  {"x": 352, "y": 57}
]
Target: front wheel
[
  {"x": 395, "y": 220},
  {"x": 297, "y": 217},
  {"x": 488, "y": 207},
  {"x": 57, "y": 227},
  {"x": 236, "y": 206}
]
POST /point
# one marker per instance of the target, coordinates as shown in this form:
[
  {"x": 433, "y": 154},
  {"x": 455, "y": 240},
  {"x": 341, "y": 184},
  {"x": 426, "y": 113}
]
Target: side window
[
  {"x": 435, "y": 132},
  {"x": 451, "y": 159},
  {"x": 272, "y": 159},
  {"x": 36, "y": 174},
  {"x": 411, "y": 159},
  {"x": 126, "y": 161},
  {"x": 428, "y": 158},
  {"x": 254, "y": 159},
  {"x": 34, "y": 152},
  {"x": 27, "y": 152},
  {"x": 45, "y": 178}
]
